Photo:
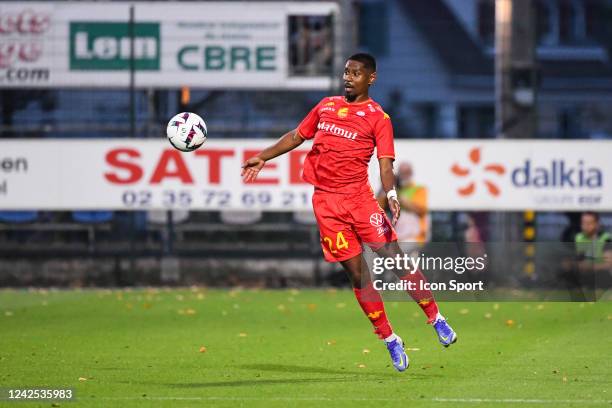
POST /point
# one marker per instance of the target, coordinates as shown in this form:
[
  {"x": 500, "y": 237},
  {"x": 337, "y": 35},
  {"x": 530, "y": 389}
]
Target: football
[{"x": 186, "y": 131}]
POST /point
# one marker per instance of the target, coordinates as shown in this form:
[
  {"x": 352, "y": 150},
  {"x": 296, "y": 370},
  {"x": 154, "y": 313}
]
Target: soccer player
[{"x": 346, "y": 129}]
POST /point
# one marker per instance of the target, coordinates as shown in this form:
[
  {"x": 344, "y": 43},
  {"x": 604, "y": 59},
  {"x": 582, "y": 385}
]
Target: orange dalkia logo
[
  {"x": 470, "y": 188},
  {"x": 342, "y": 112}
]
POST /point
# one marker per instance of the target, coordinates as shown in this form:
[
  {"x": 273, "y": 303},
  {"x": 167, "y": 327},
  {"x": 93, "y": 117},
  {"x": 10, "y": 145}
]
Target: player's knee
[{"x": 390, "y": 249}]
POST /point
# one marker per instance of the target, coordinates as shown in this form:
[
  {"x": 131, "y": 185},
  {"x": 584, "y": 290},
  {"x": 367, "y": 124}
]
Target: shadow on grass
[
  {"x": 285, "y": 368},
  {"x": 333, "y": 375}
]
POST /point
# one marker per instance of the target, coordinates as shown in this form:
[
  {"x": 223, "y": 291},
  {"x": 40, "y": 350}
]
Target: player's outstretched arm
[
  {"x": 388, "y": 183},
  {"x": 288, "y": 142}
]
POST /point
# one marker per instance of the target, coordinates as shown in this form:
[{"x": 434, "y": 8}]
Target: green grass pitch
[{"x": 199, "y": 347}]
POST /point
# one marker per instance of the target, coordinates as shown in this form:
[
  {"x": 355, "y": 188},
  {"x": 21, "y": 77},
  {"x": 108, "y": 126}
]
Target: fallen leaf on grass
[
  {"x": 331, "y": 342},
  {"x": 366, "y": 351},
  {"x": 203, "y": 349},
  {"x": 82, "y": 379},
  {"x": 412, "y": 349},
  {"x": 464, "y": 311},
  {"x": 361, "y": 366},
  {"x": 509, "y": 322},
  {"x": 488, "y": 315},
  {"x": 312, "y": 307},
  {"x": 242, "y": 335}
]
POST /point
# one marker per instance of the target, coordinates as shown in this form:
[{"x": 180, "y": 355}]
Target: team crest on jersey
[
  {"x": 343, "y": 112},
  {"x": 361, "y": 113}
]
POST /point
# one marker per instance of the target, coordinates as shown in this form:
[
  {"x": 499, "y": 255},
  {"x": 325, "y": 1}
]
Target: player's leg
[
  {"x": 421, "y": 295},
  {"x": 368, "y": 298},
  {"x": 374, "y": 308},
  {"x": 375, "y": 229},
  {"x": 340, "y": 244}
]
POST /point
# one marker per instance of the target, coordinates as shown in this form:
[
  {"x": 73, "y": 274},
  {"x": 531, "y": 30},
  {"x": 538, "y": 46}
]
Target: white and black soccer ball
[{"x": 186, "y": 131}]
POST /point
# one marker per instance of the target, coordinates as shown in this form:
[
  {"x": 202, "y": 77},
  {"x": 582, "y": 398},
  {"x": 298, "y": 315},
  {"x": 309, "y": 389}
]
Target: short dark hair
[
  {"x": 592, "y": 214},
  {"x": 368, "y": 61}
]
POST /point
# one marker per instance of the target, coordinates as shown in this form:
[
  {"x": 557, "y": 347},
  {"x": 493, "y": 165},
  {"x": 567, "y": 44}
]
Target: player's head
[
  {"x": 359, "y": 74},
  {"x": 589, "y": 223}
]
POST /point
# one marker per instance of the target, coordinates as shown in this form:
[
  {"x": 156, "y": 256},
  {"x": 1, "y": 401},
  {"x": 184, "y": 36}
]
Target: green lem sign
[{"x": 106, "y": 46}]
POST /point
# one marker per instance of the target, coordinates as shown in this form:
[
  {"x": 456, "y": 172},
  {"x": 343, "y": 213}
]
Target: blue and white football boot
[
  {"x": 398, "y": 355},
  {"x": 446, "y": 334}
]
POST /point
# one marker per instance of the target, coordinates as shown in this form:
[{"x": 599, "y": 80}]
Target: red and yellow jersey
[{"x": 345, "y": 135}]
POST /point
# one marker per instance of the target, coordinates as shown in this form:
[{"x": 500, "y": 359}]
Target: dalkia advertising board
[
  {"x": 211, "y": 44},
  {"x": 150, "y": 174}
]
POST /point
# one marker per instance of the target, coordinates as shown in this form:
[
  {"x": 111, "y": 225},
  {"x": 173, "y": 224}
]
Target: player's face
[{"x": 357, "y": 79}]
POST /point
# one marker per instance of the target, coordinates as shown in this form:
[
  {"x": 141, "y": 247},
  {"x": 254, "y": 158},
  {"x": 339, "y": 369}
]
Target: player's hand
[
  {"x": 395, "y": 207},
  {"x": 251, "y": 168}
]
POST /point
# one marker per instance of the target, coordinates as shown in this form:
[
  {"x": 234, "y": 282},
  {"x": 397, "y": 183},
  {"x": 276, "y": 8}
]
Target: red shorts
[{"x": 346, "y": 221}]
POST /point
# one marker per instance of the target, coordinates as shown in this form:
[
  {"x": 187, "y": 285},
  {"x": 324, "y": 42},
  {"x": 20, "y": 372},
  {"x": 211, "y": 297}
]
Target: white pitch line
[
  {"x": 456, "y": 400},
  {"x": 520, "y": 401}
]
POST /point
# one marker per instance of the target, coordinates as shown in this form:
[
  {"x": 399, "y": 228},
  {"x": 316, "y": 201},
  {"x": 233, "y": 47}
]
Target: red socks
[
  {"x": 372, "y": 305},
  {"x": 423, "y": 297}
]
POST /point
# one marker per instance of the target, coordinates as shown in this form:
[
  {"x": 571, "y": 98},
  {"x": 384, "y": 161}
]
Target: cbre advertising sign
[{"x": 212, "y": 45}]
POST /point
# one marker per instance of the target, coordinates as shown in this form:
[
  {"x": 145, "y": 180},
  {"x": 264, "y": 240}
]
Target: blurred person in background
[
  {"x": 590, "y": 267},
  {"x": 413, "y": 228},
  {"x": 593, "y": 247},
  {"x": 474, "y": 236}
]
